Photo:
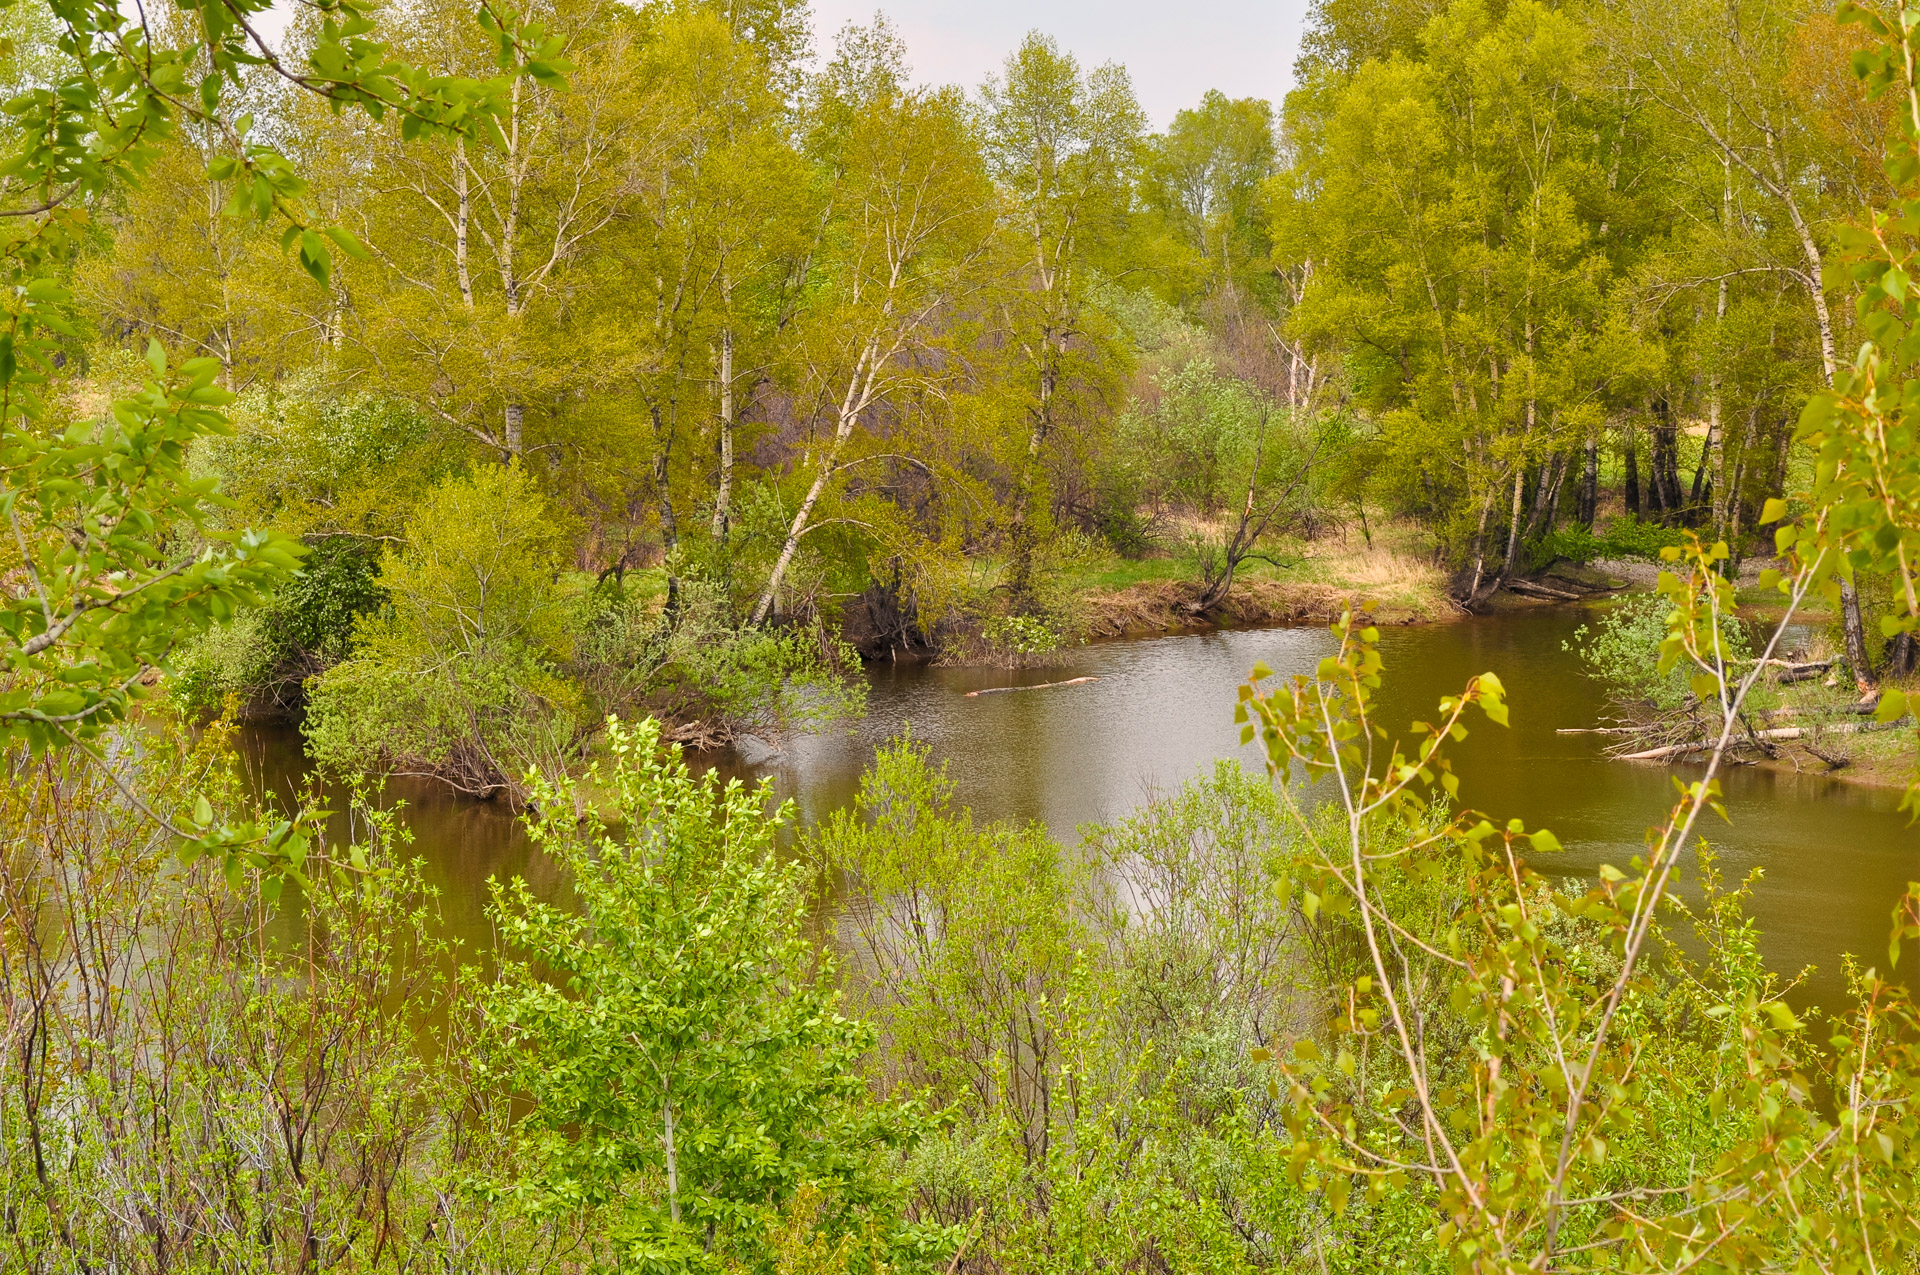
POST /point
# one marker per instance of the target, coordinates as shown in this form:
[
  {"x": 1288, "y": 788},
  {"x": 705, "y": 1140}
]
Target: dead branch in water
[
  {"x": 1778, "y": 734},
  {"x": 1042, "y": 686}
]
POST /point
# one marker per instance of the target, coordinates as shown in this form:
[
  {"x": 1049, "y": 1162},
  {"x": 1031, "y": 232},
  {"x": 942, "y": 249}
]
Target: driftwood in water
[
  {"x": 1534, "y": 589},
  {"x": 1778, "y": 734},
  {"x": 1043, "y": 686}
]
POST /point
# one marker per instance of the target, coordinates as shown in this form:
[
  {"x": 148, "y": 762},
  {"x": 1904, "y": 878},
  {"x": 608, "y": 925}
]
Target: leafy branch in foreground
[{"x": 1512, "y": 1059}]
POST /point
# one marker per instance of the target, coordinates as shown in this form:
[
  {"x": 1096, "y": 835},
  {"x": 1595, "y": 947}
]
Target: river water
[{"x": 1834, "y": 856}]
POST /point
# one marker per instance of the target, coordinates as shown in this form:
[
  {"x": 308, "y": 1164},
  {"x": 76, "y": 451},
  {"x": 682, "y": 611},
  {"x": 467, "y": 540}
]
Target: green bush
[
  {"x": 1022, "y": 635},
  {"x": 460, "y": 675},
  {"x": 1625, "y": 537},
  {"x": 263, "y": 656},
  {"x": 1571, "y": 543},
  {"x": 1622, "y": 650},
  {"x": 1629, "y": 537}
]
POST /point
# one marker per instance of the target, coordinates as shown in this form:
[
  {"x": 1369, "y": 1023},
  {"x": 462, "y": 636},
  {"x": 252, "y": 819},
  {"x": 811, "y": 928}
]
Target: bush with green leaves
[
  {"x": 675, "y": 1038},
  {"x": 1022, "y": 635},
  {"x": 1624, "y": 537},
  {"x": 1084, "y": 1021},
  {"x": 263, "y": 657},
  {"x": 1523, "y": 1067},
  {"x": 1621, "y": 650},
  {"x": 319, "y": 461},
  {"x": 716, "y": 678},
  {"x": 461, "y": 675}
]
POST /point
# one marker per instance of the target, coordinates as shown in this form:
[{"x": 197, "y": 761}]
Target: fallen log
[
  {"x": 1042, "y": 686},
  {"x": 1598, "y": 730},
  {"x": 1791, "y": 672},
  {"x": 1776, "y": 735},
  {"x": 1542, "y": 591}
]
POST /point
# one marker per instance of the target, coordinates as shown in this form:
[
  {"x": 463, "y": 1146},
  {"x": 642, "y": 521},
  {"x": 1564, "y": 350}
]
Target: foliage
[
  {"x": 1621, "y": 650},
  {"x": 103, "y": 585},
  {"x": 1527, "y": 1117},
  {"x": 686, "y": 1071},
  {"x": 1864, "y": 498},
  {"x": 320, "y": 463},
  {"x": 264, "y": 655},
  {"x": 459, "y": 673},
  {"x": 1022, "y": 635},
  {"x": 725, "y": 679},
  {"x": 1624, "y": 537},
  {"x": 262, "y": 1102}
]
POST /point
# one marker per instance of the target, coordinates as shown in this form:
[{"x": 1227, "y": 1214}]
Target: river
[{"x": 1834, "y": 856}]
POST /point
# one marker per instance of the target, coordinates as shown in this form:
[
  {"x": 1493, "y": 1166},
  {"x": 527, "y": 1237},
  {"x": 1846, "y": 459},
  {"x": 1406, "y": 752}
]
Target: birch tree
[
  {"x": 908, "y": 226},
  {"x": 478, "y": 241},
  {"x": 1062, "y": 146}
]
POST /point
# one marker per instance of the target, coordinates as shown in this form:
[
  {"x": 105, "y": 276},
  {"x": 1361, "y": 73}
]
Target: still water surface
[{"x": 1835, "y": 856}]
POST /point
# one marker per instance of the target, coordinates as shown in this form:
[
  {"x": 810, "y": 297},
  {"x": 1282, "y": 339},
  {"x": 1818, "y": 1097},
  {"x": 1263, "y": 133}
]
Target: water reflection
[{"x": 1834, "y": 855}]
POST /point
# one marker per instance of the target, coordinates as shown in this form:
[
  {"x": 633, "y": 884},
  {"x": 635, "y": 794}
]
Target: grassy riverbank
[
  {"x": 1840, "y": 738},
  {"x": 1296, "y": 580}
]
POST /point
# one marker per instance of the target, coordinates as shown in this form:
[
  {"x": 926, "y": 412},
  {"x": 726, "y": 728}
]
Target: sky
[{"x": 1175, "y": 51}]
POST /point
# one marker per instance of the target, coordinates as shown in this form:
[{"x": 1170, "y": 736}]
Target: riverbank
[
  {"x": 1315, "y": 584},
  {"x": 1102, "y": 597},
  {"x": 1807, "y": 715}
]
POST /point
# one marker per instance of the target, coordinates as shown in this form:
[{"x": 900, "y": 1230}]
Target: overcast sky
[{"x": 1174, "y": 51}]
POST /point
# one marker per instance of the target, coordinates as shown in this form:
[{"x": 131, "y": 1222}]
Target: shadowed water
[{"x": 1835, "y": 856}]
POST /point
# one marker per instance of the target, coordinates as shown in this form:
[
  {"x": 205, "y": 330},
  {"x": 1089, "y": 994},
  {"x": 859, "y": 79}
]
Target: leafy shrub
[
  {"x": 1629, "y": 537},
  {"x": 1625, "y": 537},
  {"x": 1622, "y": 651},
  {"x": 460, "y": 673},
  {"x": 720, "y": 678},
  {"x": 1574, "y": 542},
  {"x": 263, "y": 657},
  {"x": 1117, "y": 517},
  {"x": 676, "y": 1037},
  {"x": 1022, "y": 635}
]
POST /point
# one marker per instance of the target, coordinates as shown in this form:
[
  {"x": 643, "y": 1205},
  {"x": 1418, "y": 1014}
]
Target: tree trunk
[
  {"x": 1701, "y": 486},
  {"x": 1513, "y": 523},
  {"x": 1632, "y": 455},
  {"x": 1562, "y": 463},
  {"x": 1900, "y": 654},
  {"x": 1020, "y": 578},
  {"x": 859, "y": 394},
  {"x": 462, "y": 216},
  {"x": 764, "y": 607},
  {"x": 1856, "y": 631},
  {"x": 1589, "y": 484},
  {"x": 516, "y": 420},
  {"x": 1664, "y": 459},
  {"x": 673, "y": 1162},
  {"x": 1480, "y": 547},
  {"x": 1546, "y": 496},
  {"x": 663, "y": 492},
  {"x": 723, "y": 491}
]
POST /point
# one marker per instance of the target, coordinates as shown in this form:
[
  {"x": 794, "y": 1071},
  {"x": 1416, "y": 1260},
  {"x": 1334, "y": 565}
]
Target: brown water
[{"x": 1834, "y": 856}]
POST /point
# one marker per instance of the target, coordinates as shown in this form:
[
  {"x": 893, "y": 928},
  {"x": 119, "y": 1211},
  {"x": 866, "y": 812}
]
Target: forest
[{"x": 535, "y": 404}]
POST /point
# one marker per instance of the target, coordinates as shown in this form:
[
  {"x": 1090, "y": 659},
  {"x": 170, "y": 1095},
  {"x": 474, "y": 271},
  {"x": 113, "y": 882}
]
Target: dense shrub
[
  {"x": 263, "y": 657},
  {"x": 1625, "y": 537}
]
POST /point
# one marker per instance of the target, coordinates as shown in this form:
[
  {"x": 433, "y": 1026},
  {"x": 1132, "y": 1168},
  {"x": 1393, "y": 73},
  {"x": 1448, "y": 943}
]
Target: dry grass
[{"x": 1306, "y": 582}]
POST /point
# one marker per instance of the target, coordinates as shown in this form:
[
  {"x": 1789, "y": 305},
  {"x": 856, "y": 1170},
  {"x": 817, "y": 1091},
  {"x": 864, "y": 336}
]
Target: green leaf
[
  {"x": 348, "y": 242},
  {"x": 315, "y": 258}
]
